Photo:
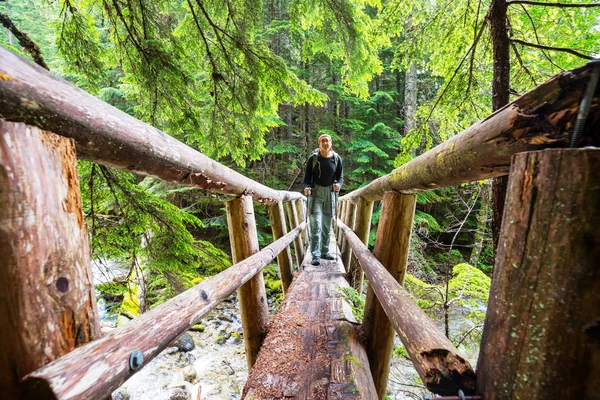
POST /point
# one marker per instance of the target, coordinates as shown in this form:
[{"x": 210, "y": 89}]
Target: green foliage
[
  {"x": 273, "y": 284},
  {"x": 356, "y": 301}
]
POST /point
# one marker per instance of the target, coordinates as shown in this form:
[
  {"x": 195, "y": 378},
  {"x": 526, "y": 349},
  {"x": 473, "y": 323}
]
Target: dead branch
[
  {"x": 26, "y": 43},
  {"x": 543, "y": 47}
]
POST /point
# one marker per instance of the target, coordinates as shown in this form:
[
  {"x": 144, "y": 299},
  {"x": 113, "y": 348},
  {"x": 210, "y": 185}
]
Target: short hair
[{"x": 324, "y": 135}]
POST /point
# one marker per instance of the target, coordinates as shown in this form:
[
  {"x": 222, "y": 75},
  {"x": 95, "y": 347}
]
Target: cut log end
[{"x": 447, "y": 373}]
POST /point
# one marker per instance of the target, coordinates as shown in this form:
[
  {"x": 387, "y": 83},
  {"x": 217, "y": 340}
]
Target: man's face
[{"x": 325, "y": 144}]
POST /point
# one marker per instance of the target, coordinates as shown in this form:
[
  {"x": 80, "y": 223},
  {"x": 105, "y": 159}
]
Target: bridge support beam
[
  {"x": 284, "y": 259},
  {"x": 340, "y": 215},
  {"x": 542, "y": 330},
  {"x": 391, "y": 249},
  {"x": 47, "y": 301},
  {"x": 292, "y": 213},
  {"x": 252, "y": 295},
  {"x": 362, "y": 228}
]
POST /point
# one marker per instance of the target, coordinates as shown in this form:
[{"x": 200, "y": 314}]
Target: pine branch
[
  {"x": 543, "y": 47},
  {"x": 28, "y": 45},
  {"x": 559, "y": 5}
]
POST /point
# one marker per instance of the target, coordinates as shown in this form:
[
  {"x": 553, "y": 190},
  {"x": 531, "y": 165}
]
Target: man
[{"x": 323, "y": 176}]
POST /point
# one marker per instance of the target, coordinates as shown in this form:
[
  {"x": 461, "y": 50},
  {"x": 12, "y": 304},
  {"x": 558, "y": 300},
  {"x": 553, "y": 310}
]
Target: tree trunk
[
  {"x": 482, "y": 218},
  {"x": 47, "y": 301},
  {"x": 541, "y": 332},
  {"x": 391, "y": 249},
  {"x": 410, "y": 101},
  {"x": 500, "y": 98},
  {"x": 252, "y": 295}
]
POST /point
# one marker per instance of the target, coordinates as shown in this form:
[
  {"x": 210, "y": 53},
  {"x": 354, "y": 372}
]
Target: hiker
[{"x": 323, "y": 180}]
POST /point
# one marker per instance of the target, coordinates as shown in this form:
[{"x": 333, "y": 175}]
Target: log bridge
[{"x": 542, "y": 331}]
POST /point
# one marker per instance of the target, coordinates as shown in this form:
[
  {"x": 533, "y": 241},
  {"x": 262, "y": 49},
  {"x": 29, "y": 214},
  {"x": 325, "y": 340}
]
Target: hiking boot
[
  {"x": 327, "y": 257},
  {"x": 316, "y": 261}
]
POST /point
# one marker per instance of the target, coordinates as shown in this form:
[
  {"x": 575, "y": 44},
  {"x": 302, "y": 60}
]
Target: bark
[
  {"x": 410, "y": 101},
  {"x": 500, "y": 98},
  {"x": 437, "y": 361},
  {"x": 539, "y": 119},
  {"x": 543, "y": 309},
  {"x": 108, "y": 136},
  {"x": 252, "y": 295},
  {"x": 482, "y": 218},
  {"x": 93, "y": 371},
  {"x": 362, "y": 228},
  {"x": 284, "y": 259},
  {"x": 391, "y": 249},
  {"x": 312, "y": 350},
  {"x": 47, "y": 301}
]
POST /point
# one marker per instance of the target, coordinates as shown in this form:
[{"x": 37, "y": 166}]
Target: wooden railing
[
  {"x": 542, "y": 118},
  {"x": 47, "y": 308},
  {"x": 47, "y": 305}
]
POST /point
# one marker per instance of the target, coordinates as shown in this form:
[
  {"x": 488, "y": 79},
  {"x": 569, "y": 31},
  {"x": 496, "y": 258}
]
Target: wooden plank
[
  {"x": 541, "y": 333},
  {"x": 313, "y": 349},
  {"x": 391, "y": 249},
  {"x": 435, "y": 358},
  {"x": 106, "y": 135},
  {"x": 47, "y": 301},
  {"x": 539, "y": 119},
  {"x": 252, "y": 295},
  {"x": 94, "y": 370}
]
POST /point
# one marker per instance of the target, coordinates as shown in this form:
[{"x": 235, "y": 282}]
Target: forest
[{"x": 253, "y": 84}]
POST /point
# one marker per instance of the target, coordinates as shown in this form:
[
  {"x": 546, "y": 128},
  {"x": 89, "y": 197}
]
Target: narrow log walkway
[{"x": 313, "y": 348}]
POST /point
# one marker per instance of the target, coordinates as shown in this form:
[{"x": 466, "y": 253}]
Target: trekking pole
[{"x": 334, "y": 200}]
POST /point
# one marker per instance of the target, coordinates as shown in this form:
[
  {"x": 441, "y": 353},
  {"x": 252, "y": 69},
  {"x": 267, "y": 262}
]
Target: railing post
[
  {"x": 284, "y": 259},
  {"x": 47, "y": 301},
  {"x": 340, "y": 215},
  {"x": 391, "y": 249},
  {"x": 349, "y": 221},
  {"x": 292, "y": 213},
  {"x": 252, "y": 295},
  {"x": 362, "y": 228},
  {"x": 301, "y": 208},
  {"x": 541, "y": 333}
]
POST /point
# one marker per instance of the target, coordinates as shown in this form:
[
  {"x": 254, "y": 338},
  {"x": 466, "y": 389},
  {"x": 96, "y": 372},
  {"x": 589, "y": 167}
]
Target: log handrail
[
  {"x": 539, "y": 119},
  {"x": 108, "y": 136},
  {"x": 97, "y": 368},
  {"x": 435, "y": 358}
]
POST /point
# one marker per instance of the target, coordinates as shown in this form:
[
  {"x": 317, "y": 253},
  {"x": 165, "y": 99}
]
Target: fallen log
[
  {"x": 539, "y": 119},
  {"x": 435, "y": 358},
  {"x": 93, "y": 371},
  {"x": 108, "y": 136}
]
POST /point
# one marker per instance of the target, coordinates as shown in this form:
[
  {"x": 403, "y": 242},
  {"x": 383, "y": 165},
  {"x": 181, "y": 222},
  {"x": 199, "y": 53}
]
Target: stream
[{"x": 216, "y": 366}]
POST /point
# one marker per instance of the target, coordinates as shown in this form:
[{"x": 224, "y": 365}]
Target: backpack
[
  {"x": 315, "y": 159},
  {"x": 315, "y": 156}
]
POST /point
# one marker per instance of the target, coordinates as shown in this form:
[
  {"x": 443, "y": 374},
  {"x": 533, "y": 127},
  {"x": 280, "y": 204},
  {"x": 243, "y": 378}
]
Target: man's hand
[
  {"x": 336, "y": 187},
  {"x": 307, "y": 191}
]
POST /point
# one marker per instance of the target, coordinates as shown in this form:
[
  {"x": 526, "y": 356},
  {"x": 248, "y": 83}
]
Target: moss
[{"x": 236, "y": 335}]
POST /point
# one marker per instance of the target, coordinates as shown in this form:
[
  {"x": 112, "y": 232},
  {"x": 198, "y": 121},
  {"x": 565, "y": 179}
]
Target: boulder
[
  {"x": 189, "y": 373},
  {"x": 184, "y": 343}
]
